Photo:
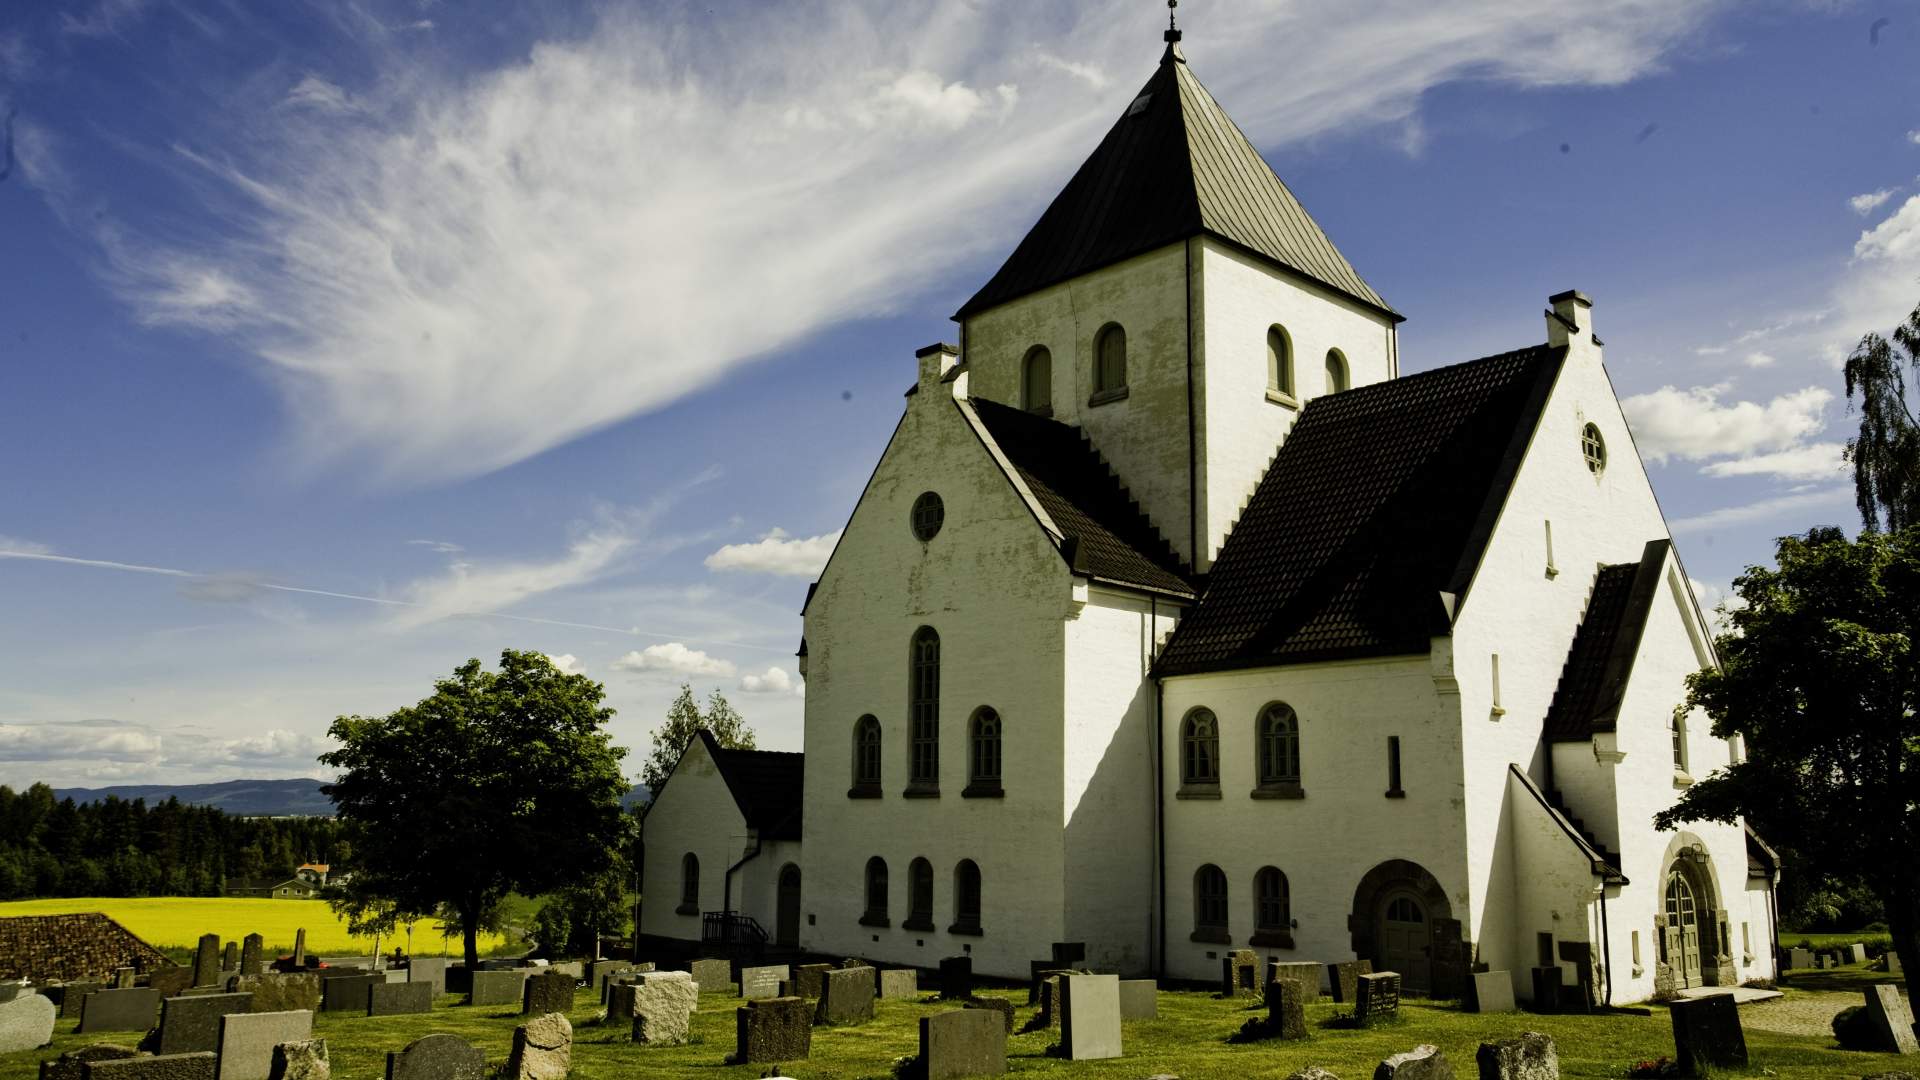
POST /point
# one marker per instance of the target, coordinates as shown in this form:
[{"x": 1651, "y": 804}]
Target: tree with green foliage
[
  {"x": 1820, "y": 677},
  {"x": 498, "y": 781},
  {"x": 684, "y": 719},
  {"x": 1886, "y": 453}
]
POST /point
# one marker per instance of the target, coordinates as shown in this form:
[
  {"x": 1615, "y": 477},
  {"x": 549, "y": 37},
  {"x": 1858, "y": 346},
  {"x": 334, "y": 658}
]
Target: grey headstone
[
  {"x": 123, "y": 978},
  {"x": 1493, "y": 991},
  {"x": 899, "y": 984},
  {"x": 1893, "y": 963},
  {"x": 230, "y": 960},
  {"x": 575, "y": 968},
  {"x": 72, "y": 1065},
  {"x": 962, "y": 1043},
  {"x": 496, "y": 987},
  {"x": 200, "y": 1066},
  {"x": 714, "y": 976},
  {"x": 278, "y": 991},
  {"x": 1423, "y": 1062},
  {"x": 304, "y": 1060},
  {"x": 170, "y": 979},
  {"x": 806, "y": 979},
  {"x": 1139, "y": 999},
  {"x": 663, "y": 1003},
  {"x": 26, "y": 1023},
  {"x": 956, "y": 978},
  {"x": 1343, "y": 979},
  {"x": 1856, "y": 953},
  {"x": 597, "y": 973},
  {"x": 437, "y": 1057},
  {"x": 846, "y": 996},
  {"x": 300, "y": 947},
  {"x": 247, "y": 1041},
  {"x": 1307, "y": 974},
  {"x": 206, "y": 961},
  {"x": 1090, "y": 1017},
  {"x": 1377, "y": 995},
  {"x": 1286, "y": 1009},
  {"x": 251, "y": 960},
  {"x": 1529, "y": 1057},
  {"x": 1706, "y": 1031},
  {"x": 400, "y": 999},
  {"x": 429, "y": 969},
  {"x": 394, "y": 975},
  {"x": 547, "y": 992},
  {"x": 11, "y": 988},
  {"x": 772, "y": 1030},
  {"x": 1799, "y": 958},
  {"x": 190, "y": 1024},
  {"x": 73, "y": 997},
  {"x": 1239, "y": 973},
  {"x": 542, "y": 1049},
  {"x": 348, "y": 993},
  {"x": 762, "y": 982},
  {"x": 1892, "y": 1020},
  {"x": 120, "y": 1010}
]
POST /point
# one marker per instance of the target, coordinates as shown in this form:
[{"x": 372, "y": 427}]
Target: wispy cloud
[
  {"x": 103, "y": 18},
  {"x": 1814, "y": 461},
  {"x": 1871, "y": 201},
  {"x": 316, "y": 93},
  {"x": 1774, "y": 509},
  {"x": 777, "y": 553},
  {"x": 444, "y": 547},
  {"x": 674, "y": 659}
]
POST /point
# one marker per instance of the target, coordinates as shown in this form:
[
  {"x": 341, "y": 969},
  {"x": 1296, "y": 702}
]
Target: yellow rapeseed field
[{"x": 178, "y": 921}]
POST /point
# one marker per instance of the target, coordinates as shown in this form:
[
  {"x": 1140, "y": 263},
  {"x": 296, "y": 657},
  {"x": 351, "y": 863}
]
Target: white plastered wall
[{"x": 693, "y": 812}]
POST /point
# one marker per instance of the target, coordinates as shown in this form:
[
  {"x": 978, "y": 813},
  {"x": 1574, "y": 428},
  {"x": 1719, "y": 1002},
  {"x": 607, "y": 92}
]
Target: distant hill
[{"x": 247, "y": 798}]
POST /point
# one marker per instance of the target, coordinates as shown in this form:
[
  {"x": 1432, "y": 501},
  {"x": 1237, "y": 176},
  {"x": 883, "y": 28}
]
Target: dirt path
[{"x": 1808, "y": 1013}]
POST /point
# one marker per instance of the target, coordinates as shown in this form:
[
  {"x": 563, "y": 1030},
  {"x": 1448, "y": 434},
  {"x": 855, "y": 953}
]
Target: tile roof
[
  {"x": 1111, "y": 538},
  {"x": 766, "y": 785},
  {"x": 1173, "y": 167},
  {"x": 1371, "y": 519},
  {"x": 1601, "y": 658}
]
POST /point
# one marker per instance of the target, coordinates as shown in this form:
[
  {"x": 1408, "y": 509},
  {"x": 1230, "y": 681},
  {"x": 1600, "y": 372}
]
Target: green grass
[
  {"x": 1794, "y": 940},
  {"x": 1189, "y": 1040}
]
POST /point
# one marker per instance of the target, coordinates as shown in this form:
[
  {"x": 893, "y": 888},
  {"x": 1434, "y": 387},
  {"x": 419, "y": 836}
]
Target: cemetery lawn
[
  {"x": 175, "y": 923},
  {"x": 1188, "y": 1040}
]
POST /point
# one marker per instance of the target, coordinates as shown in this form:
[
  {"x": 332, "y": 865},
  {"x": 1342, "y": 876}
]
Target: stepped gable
[
  {"x": 1601, "y": 658},
  {"x": 46, "y": 948},
  {"x": 1174, "y": 166},
  {"x": 1364, "y": 534},
  {"x": 766, "y": 784},
  {"x": 1112, "y": 539}
]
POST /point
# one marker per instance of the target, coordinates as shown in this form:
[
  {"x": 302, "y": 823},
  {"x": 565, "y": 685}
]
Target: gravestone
[
  {"x": 1423, "y": 1062},
  {"x": 73, "y": 997},
  {"x": 762, "y": 982},
  {"x": 1529, "y": 1057},
  {"x": 1493, "y": 991},
  {"x": 119, "y": 1010},
  {"x": 190, "y": 1024},
  {"x": 998, "y": 1005},
  {"x": 348, "y": 993},
  {"x": 578, "y": 970},
  {"x": 1799, "y": 958},
  {"x": 899, "y": 984},
  {"x": 431, "y": 970},
  {"x": 230, "y": 961},
  {"x": 660, "y": 1007},
  {"x": 496, "y": 988},
  {"x": 170, "y": 980},
  {"x": 247, "y": 1041},
  {"x": 1893, "y": 963},
  {"x": 547, "y": 992},
  {"x": 846, "y": 996},
  {"x": 300, "y": 948},
  {"x": 305, "y": 1059},
  {"x": 200, "y": 1066},
  {"x": 1239, "y": 973},
  {"x": 437, "y": 1057},
  {"x": 1286, "y": 1009},
  {"x": 773, "y": 1029},
  {"x": 619, "y": 1002},
  {"x": 1546, "y": 989},
  {"x": 279, "y": 991},
  {"x": 807, "y": 978},
  {"x": 72, "y": 1065},
  {"x": 613, "y": 979},
  {"x": 1706, "y": 1031},
  {"x": 1089, "y": 1017},
  {"x": 1139, "y": 999},
  {"x": 1890, "y": 1018},
  {"x": 12, "y": 988},
  {"x": 1307, "y": 974},
  {"x": 251, "y": 962},
  {"x": 400, "y": 999},
  {"x": 1344, "y": 978},
  {"x": 26, "y": 1023},
  {"x": 714, "y": 976},
  {"x": 542, "y": 1049},
  {"x": 395, "y": 975},
  {"x": 961, "y": 1043},
  {"x": 1049, "y": 1015},
  {"x": 206, "y": 961},
  {"x": 123, "y": 978},
  {"x": 1856, "y": 953},
  {"x": 956, "y": 978},
  {"x": 1376, "y": 995},
  {"x": 1068, "y": 954},
  {"x": 599, "y": 971}
]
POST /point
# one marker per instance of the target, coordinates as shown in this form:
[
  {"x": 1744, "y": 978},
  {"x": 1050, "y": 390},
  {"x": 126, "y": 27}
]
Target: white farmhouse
[{"x": 1176, "y": 619}]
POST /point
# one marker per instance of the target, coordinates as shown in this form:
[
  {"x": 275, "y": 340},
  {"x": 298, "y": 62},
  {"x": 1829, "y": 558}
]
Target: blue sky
[{"x": 342, "y": 342}]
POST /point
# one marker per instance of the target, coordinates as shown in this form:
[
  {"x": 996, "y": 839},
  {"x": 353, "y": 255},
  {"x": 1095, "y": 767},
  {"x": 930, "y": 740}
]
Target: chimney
[
  {"x": 1570, "y": 320},
  {"x": 936, "y": 365}
]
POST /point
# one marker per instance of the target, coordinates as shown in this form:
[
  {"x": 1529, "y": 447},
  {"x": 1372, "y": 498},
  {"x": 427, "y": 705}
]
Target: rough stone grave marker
[
  {"x": 171, "y": 979},
  {"x": 899, "y": 984},
  {"x": 400, "y": 999},
  {"x": 199, "y": 1066},
  {"x": 300, "y": 948},
  {"x": 437, "y": 1057},
  {"x": 247, "y": 1041},
  {"x": 73, "y": 997},
  {"x": 119, "y": 1010},
  {"x": 230, "y": 961},
  {"x": 1423, "y": 1062},
  {"x": 251, "y": 960},
  {"x": 26, "y": 1023},
  {"x": 773, "y": 1029},
  {"x": 279, "y": 991},
  {"x": 1344, "y": 979},
  {"x": 547, "y": 992},
  {"x": 1892, "y": 1020},
  {"x": 762, "y": 982},
  {"x": 1706, "y": 1031},
  {"x": 1530, "y": 1057},
  {"x": 1376, "y": 995},
  {"x": 1799, "y": 958},
  {"x": 806, "y": 979},
  {"x": 1139, "y": 999},
  {"x": 600, "y": 970},
  {"x": 961, "y": 1043},
  {"x": 496, "y": 987},
  {"x": 542, "y": 1049},
  {"x": 662, "y": 1007},
  {"x": 1307, "y": 974},
  {"x": 575, "y": 968},
  {"x": 123, "y": 978},
  {"x": 1239, "y": 973},
  {"x": 714, "y": 976},
  {"x": 191, "y": 1024},
  {"x": 1493, "y": 991},
  {"x": 846, "y": 996},
  {"x": 1893, "y": 963},
  {"x": 72, "y": 1064},
  {"x": 1286, "y": 1009},
  {"x": 206, "y": 961},
  {"x": 348, "y": 993},
  {"x": 1089, "y": 1017},
  {"x": 956, "y": 978},
  {"x": 431, "y": 970},
  {"x": 302, "y": 1060}
]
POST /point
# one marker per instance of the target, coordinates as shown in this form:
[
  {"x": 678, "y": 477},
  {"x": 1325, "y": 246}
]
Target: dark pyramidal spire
[{"x": 1174, "y": 166}]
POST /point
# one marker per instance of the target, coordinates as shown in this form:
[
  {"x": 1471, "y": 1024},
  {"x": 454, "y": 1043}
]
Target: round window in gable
[
  {"x": 1594, "y": 448},
  {"x": 929, "y": 513}
]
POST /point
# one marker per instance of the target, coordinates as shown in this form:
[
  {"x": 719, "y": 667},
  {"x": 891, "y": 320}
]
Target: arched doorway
[
  {"x": 786, "y": 930},
  {"x": 1682, "y": 932},
  {"x": 1402, "y": 921},
  {"x": 1406, "y": 939},
  {"x": 1690, "y": 923}
]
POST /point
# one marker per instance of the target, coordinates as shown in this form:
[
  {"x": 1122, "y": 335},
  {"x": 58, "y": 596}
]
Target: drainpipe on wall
[
  {"x": 1160, "y": 824},
  {"x": 1606, "y": 948}
]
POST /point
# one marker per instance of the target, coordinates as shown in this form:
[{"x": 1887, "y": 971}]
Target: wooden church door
[
  {"x": 1405, "y": 942},
  {"x": 786, "y": 929},
  {"x": 1682, "y": 932}
]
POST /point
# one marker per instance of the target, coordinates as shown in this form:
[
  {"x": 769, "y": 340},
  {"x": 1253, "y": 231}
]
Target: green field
[
  {"x": 1188, "y": 1040},
  {"x": 173, "y": 923}
]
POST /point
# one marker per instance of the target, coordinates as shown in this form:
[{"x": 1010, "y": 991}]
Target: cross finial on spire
[{"x": 1173, "y": 29}]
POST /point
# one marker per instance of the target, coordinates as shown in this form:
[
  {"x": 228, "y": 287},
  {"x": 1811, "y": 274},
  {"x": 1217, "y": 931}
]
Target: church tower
[{"x": 1179, "y": 306}]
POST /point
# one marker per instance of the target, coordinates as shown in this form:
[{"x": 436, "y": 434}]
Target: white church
[{"x": 1175, "y": 619}]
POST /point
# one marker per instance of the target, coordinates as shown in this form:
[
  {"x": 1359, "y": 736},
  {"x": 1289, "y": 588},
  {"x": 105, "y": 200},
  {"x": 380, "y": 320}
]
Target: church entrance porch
[
  {"x": 1401, "y": 921},
  {"x": 1690, "y": 923},
  {"x": 1405, "y": 940},
  {"x": 787, "y": 916}
]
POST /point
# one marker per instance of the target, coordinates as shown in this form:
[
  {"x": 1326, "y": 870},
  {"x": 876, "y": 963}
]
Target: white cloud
[
  {"x": 1814, "y": 461},
  {"x": 1695, "y": 424},
  {"x": 14, "y": 545},
  {"x": 1871, "y": 201},
  {"x": 1086, "y": 73},
  {"x": 1774, "y": 509},
  {"x": 444, "y": 547},
  {"x": 1761, "y": 360},
  {"x": 107, "y": 18},
  {"x": 568, "y": 664},
  {"x": 277, "y": 747},
  {"x": 674, "y": 658},
  {"x": 1896, "y": 238},
  {"x": 102, "y": 739},
  {"x": 775, "y": 680},
  {"x": 479, "y": 587},
  {"x": 777, "y": 553},
  {"x": 316, "y": 93},
  {"x": 1914, "y": 136}
]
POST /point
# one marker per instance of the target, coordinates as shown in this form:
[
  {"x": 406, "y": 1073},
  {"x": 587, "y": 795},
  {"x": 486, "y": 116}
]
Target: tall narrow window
[
  {"x": 983, "y": 753},
  {"x": 1279, "y": 746},
  {"x": 866, "y": 759},
  {"x": 1036, "y": 381},
  {"x": 1493, "y": 676},
  {"x": 876, "y": 913},
  {"x": 1200, "y": 751},
  {"x": 1336, "y": 371},
  {"x": 1110, "y": 360},
  {"x": 1272, "y": 919},
  {"x": 923, "y": 710},
  {"x": 689, "y": 885},
  {"x": 966, "y": 898},
  {"x": 1552, "y": 570},
  {"x": 919, "y": 896},
  {"x": 1679, "y": 726},
  {"x": 1394, "y": 790},
  {"x": 1279, "y": 361},
  {"x": 1210, "y": 905}
]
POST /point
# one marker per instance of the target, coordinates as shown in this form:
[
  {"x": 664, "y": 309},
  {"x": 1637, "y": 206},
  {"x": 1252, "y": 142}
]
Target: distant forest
[{"x": 118, "y": 848}]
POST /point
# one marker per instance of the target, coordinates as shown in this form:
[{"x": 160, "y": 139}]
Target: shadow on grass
[{"x": 1853, "y": 979}]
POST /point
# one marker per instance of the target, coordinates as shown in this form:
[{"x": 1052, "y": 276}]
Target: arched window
[
  {"x": 1279, "y": 361},
  {"x": 966, "y": 898},
  {"x": 1336, "y": 371},
  {"x": 689, "y": 885},
  {"x": 1110, "y": 360},
  {"x": 1210, "y": 905},
  {"x": 866, "y": 759},
  {"x": 1279, "y": 749},
  {"x": 923, "y": 713},
  {"x": 919, "y": 895},
  {"x": 1200, "y": 750},
  {"x": 1272, "y": 919},
  {"x": 1036, "y": 381},
  {"x": 983, "y": 752},
  {"x": 876, "y": 913}
]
